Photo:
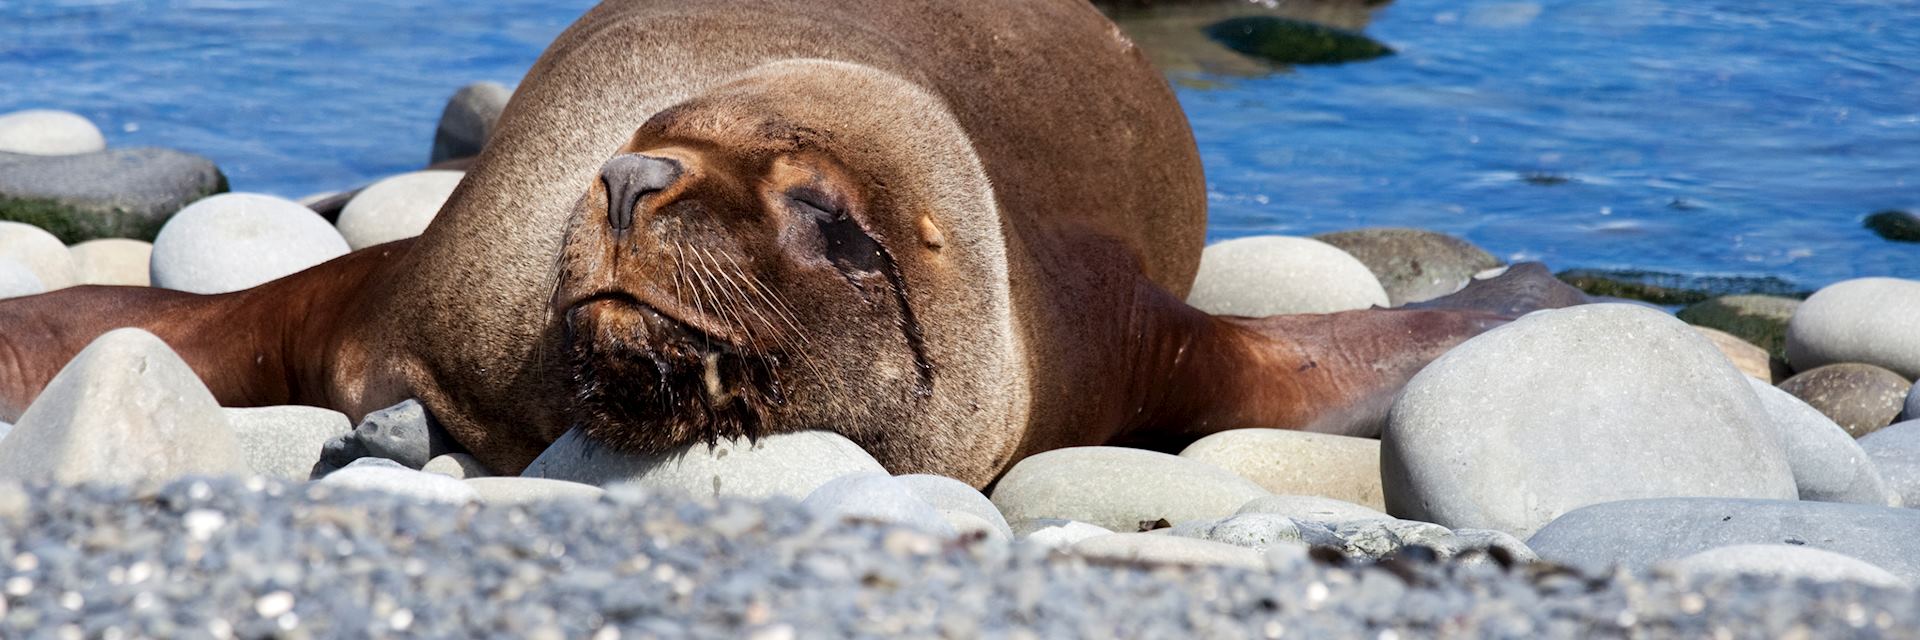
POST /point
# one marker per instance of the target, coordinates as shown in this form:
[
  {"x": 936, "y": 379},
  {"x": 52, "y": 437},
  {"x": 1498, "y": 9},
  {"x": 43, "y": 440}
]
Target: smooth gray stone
[
  {"x": 404, "y": 433},
  {"x": 948, "y": 494},
  {"x": 117, "y": 193},
  {"x": 1413, "y": 265},
  {"x": 237, "y": 241},
  {"x": 467, "y": 121},
  {"x": 1313, "y": 509},
  {"x": 381, "y": 474},
  {"x": 1465, "y": 540},
  {"x": 1377, "y": 539},
  {"x": 1637, "y": 534},
  {"x": 787, "y": 464},
  {"x": 285, "y": 442},
  {"x": 396, "y": 207},
  {"x": 1119, "y": 488},
  {"x": 5, "y": 428},
  {"x": 1869, "y": 320},
  {"x": 459, "y": 466},
  {"x": 17, "y": 280},
  {"x": 1570, "y": 407},
  {"x": 40, "y": 251},
  {"x": 125, "y": 410},
  {"x": 1150, "y": 549},
  {"x": 1256, "y": 531},
  {"x": 1912, "y": 409},
  {"x": 1895, "y": 451},
  {"x": 878, "y": 497},
  {"x": 509, "y": 490},
  {"x": 1786, "y": 562},
  {"x": 49, "y": 132},
  {"x": 1268, "y": 275},
  {"x": 1828, "y": 465},
  {"x": 1289, "y": 462}
]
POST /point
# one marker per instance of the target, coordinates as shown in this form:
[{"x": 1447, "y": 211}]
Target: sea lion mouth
[{"x": 648, "y": 381}]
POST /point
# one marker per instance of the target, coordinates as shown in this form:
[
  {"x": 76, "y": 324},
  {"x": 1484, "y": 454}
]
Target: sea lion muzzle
[{"x": 632, "y": 176}]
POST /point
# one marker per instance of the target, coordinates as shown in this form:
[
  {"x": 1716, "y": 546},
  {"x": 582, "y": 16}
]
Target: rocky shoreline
[{"x": 1608, "y": 469}]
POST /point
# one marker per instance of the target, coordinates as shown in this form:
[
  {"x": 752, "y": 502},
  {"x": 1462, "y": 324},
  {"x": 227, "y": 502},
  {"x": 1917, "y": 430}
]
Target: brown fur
[{"x": 1031, "y": 178}]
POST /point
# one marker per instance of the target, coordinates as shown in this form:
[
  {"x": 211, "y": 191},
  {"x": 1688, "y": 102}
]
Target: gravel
[{"x": 229, "y": 558}]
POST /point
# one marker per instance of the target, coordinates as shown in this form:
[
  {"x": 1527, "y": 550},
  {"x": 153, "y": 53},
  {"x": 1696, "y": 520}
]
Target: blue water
[{"x": 1722, "y": 137}]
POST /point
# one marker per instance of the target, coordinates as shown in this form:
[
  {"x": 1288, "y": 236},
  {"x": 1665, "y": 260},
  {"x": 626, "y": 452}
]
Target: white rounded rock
[
  {"x": 17, "y": 280},
  {"x": 1571, "y": 407},
  {"x": 396, "y": 208},
  {"x": 1297, "y": 462},
  {"x": 1828, "y": 465},
  {"x": 381, "y": 474},
  {"x": 236, "y": 241},
  {"x": 1785, "y": 561},
  {"x": 47, "y": 132},
  {"x": 1056, "y": 533},
  {"x": 39, "y": 251},
  {"x": 787, "y": 464},
  {"x": 459, "y": 466},
  {"x": 1269, "y": 275},
  {"x": 1119, "y": 487},
  {"x": 1895, "y": 452},
  {"x": 1312, "y": 509},
  {"x": 1869, "y": 320},
  {"x": 1150, "y": 549},
  {"x": 113, "y": 261},
  {"x": 878, "y": 497},
  {"x": 508, "y": 490},
  {"x": 950, "y": 495}
]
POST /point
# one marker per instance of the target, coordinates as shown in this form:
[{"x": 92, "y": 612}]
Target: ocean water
[{"x": 1704, "y": 137}]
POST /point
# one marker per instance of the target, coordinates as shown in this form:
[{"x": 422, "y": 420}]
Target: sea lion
[{"x": 958, "y": 233}]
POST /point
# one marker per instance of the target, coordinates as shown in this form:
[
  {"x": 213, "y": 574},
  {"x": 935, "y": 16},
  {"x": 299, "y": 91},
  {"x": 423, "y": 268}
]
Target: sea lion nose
[{"x": 630, "y": 177}]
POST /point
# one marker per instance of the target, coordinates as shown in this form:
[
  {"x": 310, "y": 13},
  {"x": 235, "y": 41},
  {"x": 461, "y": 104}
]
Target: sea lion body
[{"x": 1030, "y": 179}]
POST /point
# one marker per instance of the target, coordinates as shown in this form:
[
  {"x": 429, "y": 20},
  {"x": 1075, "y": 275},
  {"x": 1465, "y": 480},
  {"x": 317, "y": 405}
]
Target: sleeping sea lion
[{"x": 957, "y": 233}]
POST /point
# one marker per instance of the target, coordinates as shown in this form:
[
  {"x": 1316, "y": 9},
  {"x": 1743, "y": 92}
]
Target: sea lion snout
[{"x": 632, "y": 176}]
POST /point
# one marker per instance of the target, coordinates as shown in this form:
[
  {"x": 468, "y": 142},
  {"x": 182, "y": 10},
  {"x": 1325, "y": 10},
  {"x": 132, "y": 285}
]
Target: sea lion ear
[{"x": 632, "y": 176}]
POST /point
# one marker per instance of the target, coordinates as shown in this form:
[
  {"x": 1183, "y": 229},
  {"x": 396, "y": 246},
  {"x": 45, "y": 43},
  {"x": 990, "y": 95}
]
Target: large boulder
[
  {"x": 1119, "y": 488},
  {"x": 1828, "y": 465},
  {"x": 396, "y": 208},
  {"x": 1269, "y": 275},
  {"x": 1571, "y": 407},
  {"x": 1413, "y": 265},
  {"x": 47, "y": 132},
  {"x": 120, "y": 193},
  {"x": 467, "y": 121},
  {"x": 1297, "y": 462},
  {"x": 1636, "y": 534},
  {"x": 1861, "y": 398},
  {"x": 787, "y": 464},
  {"x": 237, "y": 241},
  {"x": 1871, "y": 320},
  {"x": 125, "y": 410}
]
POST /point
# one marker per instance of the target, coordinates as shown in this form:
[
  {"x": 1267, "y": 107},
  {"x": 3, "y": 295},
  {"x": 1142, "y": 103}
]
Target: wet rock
[
  {"x": 285, "y": 442},
  {"x": 1670, "y": 289},
  {"x": 1861, "y": 398},
  {"x": 1746, "y": 357},
  {"x": 1118, "y": 488},
  {"x": 17, "y": 280},
  {"x": 1761, "y": 320},
  {"x": 1895, "y": 452},
  {"x": 468, "y": 120},
  {"x": 119, "y": 193},
  {"x": 1286, "y": 41},
  {"x": 236, "y": 241},
  {"x": 1560, "y": 409},
  {"x": 949, "y": 495},
  {"x": 500, "y": 491},
  {"x": 1785, "y": 562},
  {"x": 1828, "y": 465},
  {"x": 396, "y": 208},
  {"x": 877, "y": 497},
  {"x": 788, "y": 464},
  {"x": 125, "y": 410},
  {"x": 39, "y": 251},
  {"x": 1636, "y": 534},
  {"x": 1895, "y": 225},
  {"x": 1870, "y": 320},
  {"x": 1413, "y": 265},
  {"x": 113, "y": 261},
  {"x": 46, "y": 132},
  {"x": 1297, "y": 462},
  {"x": 1268, "y": 275},
  {"x": 381, "y": 474},
  {"x": 1313, "y": 509},
  {"x": 459, "y": 466},
  {"x": 1149, "y": 549}
]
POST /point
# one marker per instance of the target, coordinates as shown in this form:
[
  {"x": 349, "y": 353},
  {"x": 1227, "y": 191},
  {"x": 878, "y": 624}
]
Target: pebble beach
[{"x": 1679, "y": 458}]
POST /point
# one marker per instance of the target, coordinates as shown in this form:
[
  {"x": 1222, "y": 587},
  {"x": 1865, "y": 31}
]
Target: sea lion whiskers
[{"x": 786, "y": 346}]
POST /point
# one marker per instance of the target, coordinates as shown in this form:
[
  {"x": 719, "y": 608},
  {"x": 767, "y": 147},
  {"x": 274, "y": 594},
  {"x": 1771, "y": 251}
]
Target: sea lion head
[{"x": 812, "y": 245}]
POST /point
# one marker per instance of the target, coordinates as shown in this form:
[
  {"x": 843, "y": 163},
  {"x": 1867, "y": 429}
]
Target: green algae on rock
[{"x": 1288, "y": 41}]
